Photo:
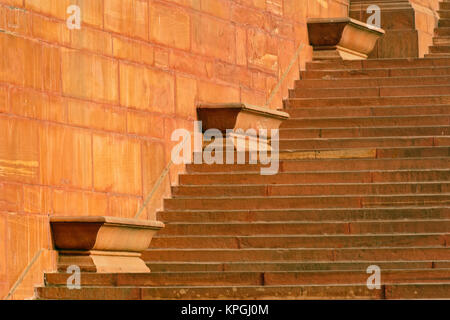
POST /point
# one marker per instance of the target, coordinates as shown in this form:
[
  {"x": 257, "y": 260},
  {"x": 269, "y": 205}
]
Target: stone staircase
[
  {"x": 364, "y": 180},
  {"x": 441, "y": 39}
]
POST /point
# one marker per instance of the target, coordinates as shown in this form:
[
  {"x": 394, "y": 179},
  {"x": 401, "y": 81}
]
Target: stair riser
[
  {"x": 305, "y": 202},
  {"x": 436, "y": 120},
  {"x": 417, "y": 291},
  {"x": 329, "y": 164},
  {"x": 443, "y": 14},
  {"x": 317, "y": 177},
  {"x": 355, "y": 277},
  {"x": 100, "y": 293},
  {"x": 229, "y": 293},
  {"x": 374, "y": 255},
  {"x": 370, "y": 101},
  {"x": 233, "y": 242},
  {"x": 444, "y": 6},
  {"x": 293, "y": 190},
  {"x": 440, "y": 49},
  {"x": 413, "y": 152},
  {"x": 289, "y": 266},
  {"x": 305, "y": 228},
  {"x": 153, "y": 279},
  {"x": 377, "y": 152},
  {"x": 354, "y": 164},
  {"x": 370, "y": 82},
  {"x": 444, "y": 41},
  {"x": 374, "y": 73},
  {"x": 253, "y": 278},
  {"x": 370, "y": 92},
  {"x": 304, "y": 133},
  {"x": 413, "y": 291},
  {"x": 386, "y": 64},
  {"x": 442, "y": 32},
  {"x": 444, "y": 23},
  {"x": 369, "y": 112},
  {"x": 305, "y": 215},
  {"x": 360, "y": 143}
]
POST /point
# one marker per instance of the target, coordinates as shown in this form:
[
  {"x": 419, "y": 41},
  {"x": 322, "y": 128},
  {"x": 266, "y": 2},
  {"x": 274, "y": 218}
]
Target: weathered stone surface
[
  {"x": 163, "y": 18},
  {"x": 89, "y": 76},
  {"x": 70, "y": 147},
  {"x": 117, "y": 165},
  {"x": 128, "y": 17},
  {"x": 146, "y": 89}
]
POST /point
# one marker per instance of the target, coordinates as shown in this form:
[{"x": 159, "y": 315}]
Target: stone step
[
  {"x": 394, "y": 63},
  {"x": 440, "y": 49},
  {"x": 441, "y": 40},
  {"x": 318, "y": 177},
  {"x": 352, "y": 132},
  {"x": 444, "y": 6},
  {"x": 365, "y": 142},
  {"x": 338, "y": 74},
  {"x": 306, "y": 228},
  {"x": 417, "y": 291},
  {"x": 296, "y": 241},
  {"x": 443, "y": 14},
  {"x": 442, "y": 31},
  {"x": 346, "y": 153},
  {"x": 330, "y": 164},
  {"x": 323, "y": 214},
  {"x": 399, "y": 91},
  {"x": 393, "y": 291},
  {"x": 443, "y": 23},
  {"x": 291, "y": 266},
  {"x": 217, "y": 292},
  {"x": 338, "y": 254},
  {"x": 248, "y": 278},
  {"x": 356, "y": 277},
  {"x": 364, "y": 164},
  {"x": 442, "y": 54},
  {"x": 374, "y": 121},
  {"x": 372, "y": 82},
  {"x": 362, "y": 111},
  {"x": 365, "y": 101},
  {"x": 311, "y": 189},
  {"x": 413, "y": 152},
  {"x": 313, "y": 201}
]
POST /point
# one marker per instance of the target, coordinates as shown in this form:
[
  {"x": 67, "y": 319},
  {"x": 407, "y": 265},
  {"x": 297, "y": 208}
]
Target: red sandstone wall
[{"x": 86, "y": 115}]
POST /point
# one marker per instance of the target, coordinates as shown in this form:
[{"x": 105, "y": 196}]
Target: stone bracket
[
  {"x": 342, "y": 38},
  {"x": 242, "y": 119},
  {"x": 103, "y": 244}
]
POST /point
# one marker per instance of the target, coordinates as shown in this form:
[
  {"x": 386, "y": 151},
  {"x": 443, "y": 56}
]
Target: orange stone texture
[{"x": 86, "y": 115}]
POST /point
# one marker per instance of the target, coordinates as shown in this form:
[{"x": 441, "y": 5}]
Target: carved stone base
[
  {"x": 244, "y": 128},
  {"x": 102, "y": 261},
  {"x": 239, "y": 116},
  {"x": 342, "y": 38},
  {"x": 102, "y": 244}
]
